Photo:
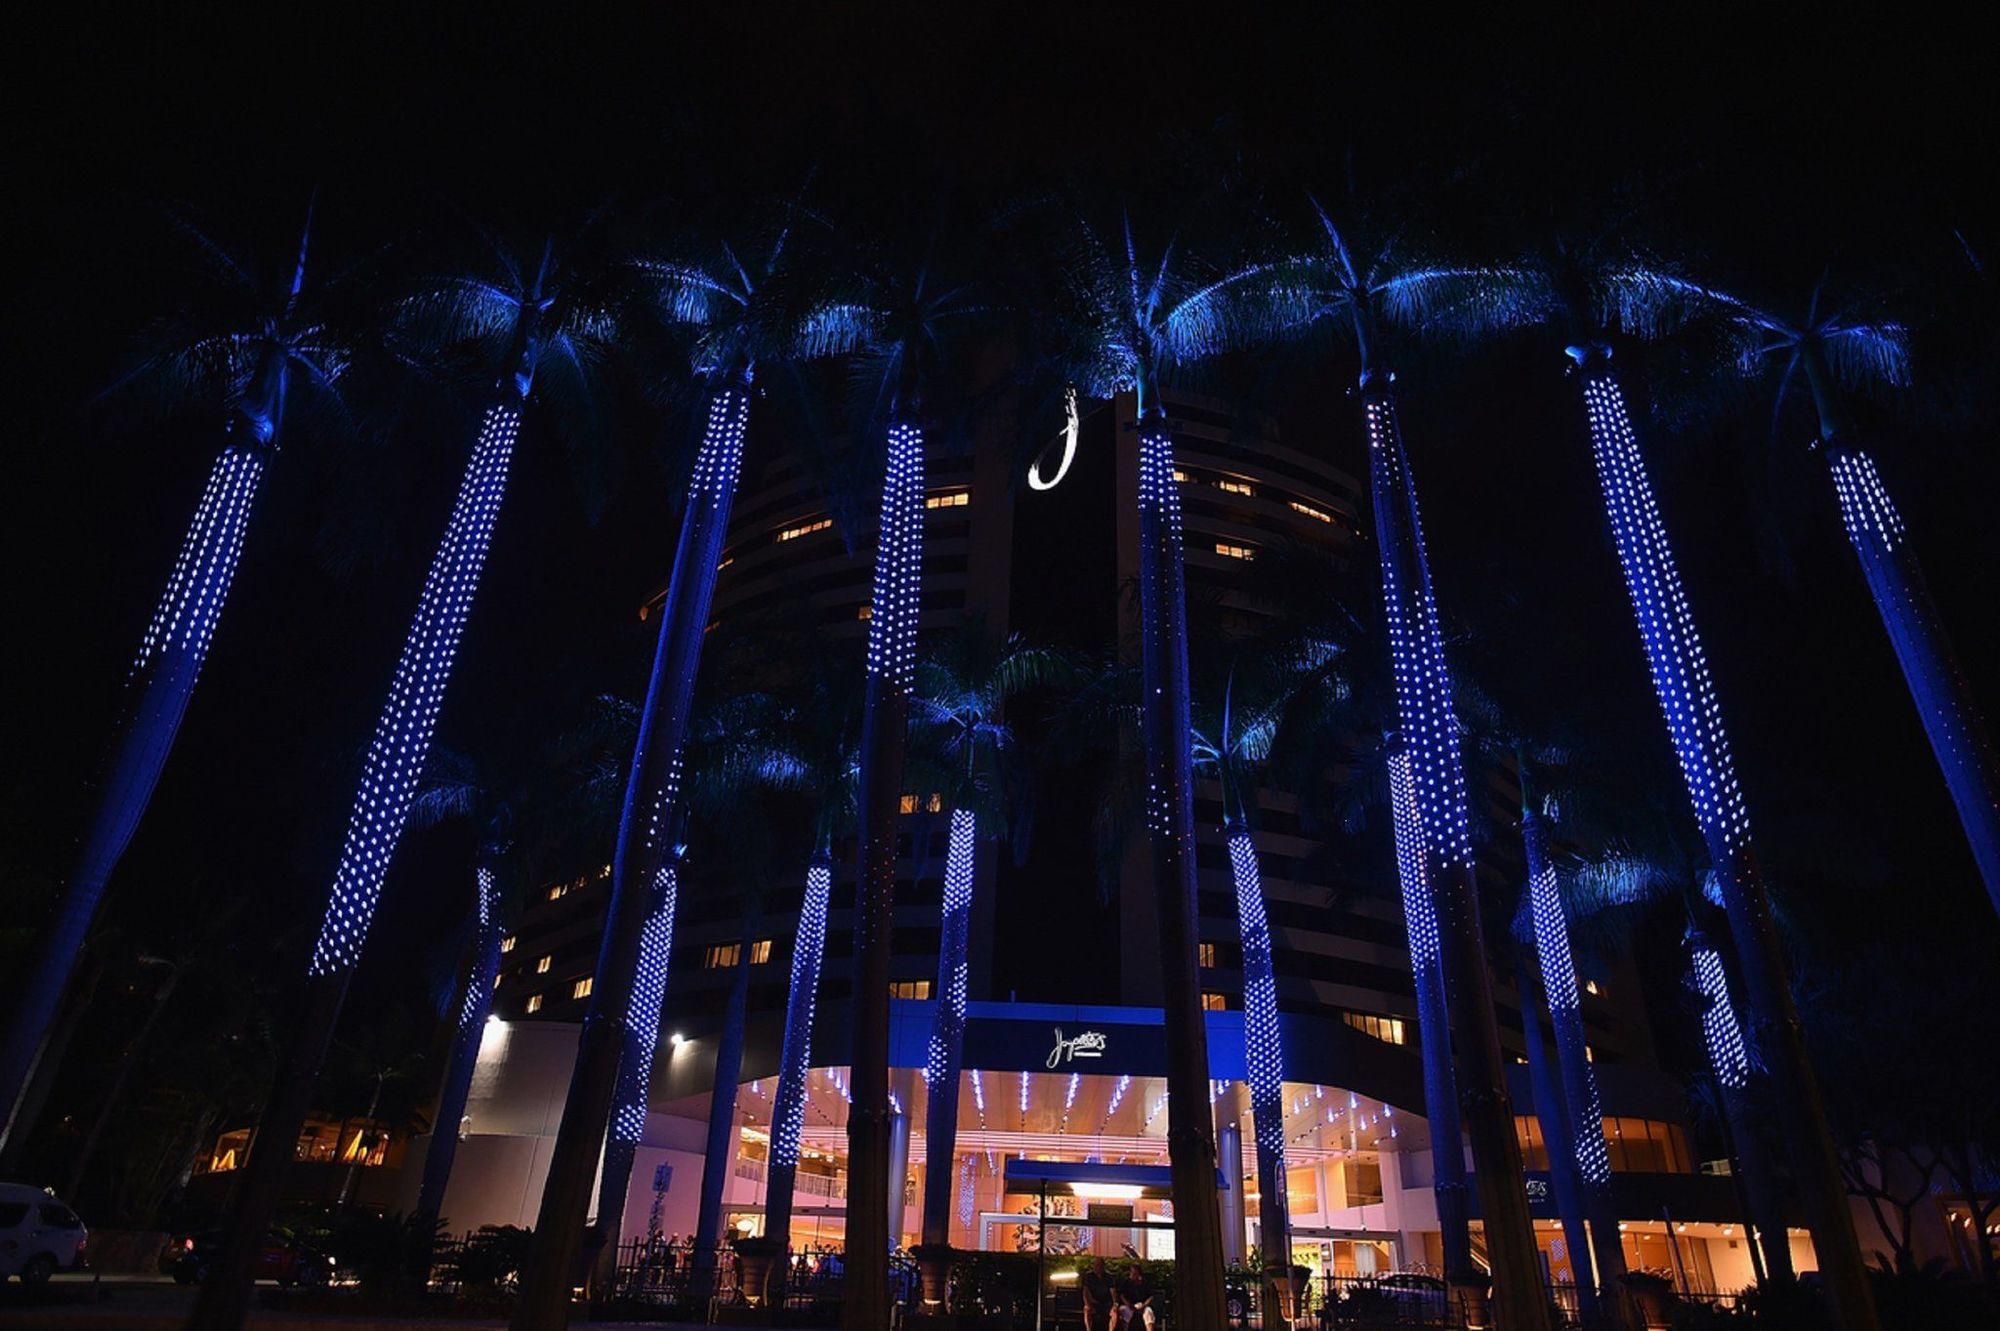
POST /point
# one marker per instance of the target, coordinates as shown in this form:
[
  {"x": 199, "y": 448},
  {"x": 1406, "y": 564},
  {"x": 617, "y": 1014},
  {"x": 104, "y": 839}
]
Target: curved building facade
[{"x": 1055, "y": 955}]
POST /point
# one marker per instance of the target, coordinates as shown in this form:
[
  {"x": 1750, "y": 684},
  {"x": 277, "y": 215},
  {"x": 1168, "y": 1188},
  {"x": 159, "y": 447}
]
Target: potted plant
[
  {"x": 933, "y": 1274},
  {"x": 758, "y": 1255}
]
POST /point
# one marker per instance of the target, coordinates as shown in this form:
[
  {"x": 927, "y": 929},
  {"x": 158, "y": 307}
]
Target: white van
[{"x": 38, "y": 1234}]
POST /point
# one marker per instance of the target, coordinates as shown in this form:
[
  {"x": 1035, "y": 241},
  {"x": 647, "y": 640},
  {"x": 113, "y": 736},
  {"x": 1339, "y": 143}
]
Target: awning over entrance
[{"x": 1087, "y": 1179}]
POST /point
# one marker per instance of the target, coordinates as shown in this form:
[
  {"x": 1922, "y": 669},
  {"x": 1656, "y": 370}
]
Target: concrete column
[
  {"x": 902, "y": 1082},
  {"x": 1229, "y": 1150}
]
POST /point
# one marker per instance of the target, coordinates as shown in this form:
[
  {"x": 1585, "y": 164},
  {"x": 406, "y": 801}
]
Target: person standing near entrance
[
  {"x": 1135, "y": 1300},
  {"x": 1098, "y": 1296}
]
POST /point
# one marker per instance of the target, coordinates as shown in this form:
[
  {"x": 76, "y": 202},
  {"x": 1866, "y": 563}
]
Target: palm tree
[
  {"x": 1839, "y": 353},
  {"x": 1729, "y": 1067},
  {"x": 259, "y": 348},
  {"x": 962, "y": 692},
  {"x": 1327, "y": 286},
  {"x": 1116, "y": 323},
  {"x": 894, "y": 324},
  {"x": 737, "y": 327},
  {"x": 1555, "y": 966},
  {"x": 1553, "y": 1113},
  {"x": 1433, "y": 1021},
  {"x": 811, "y": 754},
  {"x": 544, "y": 327},
  {"x": 1237, "y": 742},
  {"x": 1579, "y": 290}
]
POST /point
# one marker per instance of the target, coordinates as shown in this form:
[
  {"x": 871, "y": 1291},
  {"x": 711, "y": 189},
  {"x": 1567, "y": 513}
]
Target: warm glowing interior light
[{"x": 1108, "y": 1192}]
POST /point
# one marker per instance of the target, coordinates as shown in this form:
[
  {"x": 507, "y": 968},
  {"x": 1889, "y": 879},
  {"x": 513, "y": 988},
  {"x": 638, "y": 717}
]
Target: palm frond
[
  {"x": 1465, "y": 302},
  {"x": 1865, "y": 355}
]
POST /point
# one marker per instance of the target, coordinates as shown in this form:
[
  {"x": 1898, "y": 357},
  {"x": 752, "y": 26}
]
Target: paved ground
[{"x": 140, "y": 1303}]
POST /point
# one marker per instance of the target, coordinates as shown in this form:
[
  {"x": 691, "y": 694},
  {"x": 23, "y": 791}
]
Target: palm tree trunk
[
  {"x": 388, "y": 784},
  {"x": 1423, "y": 698},
  {"x": 651, "y": 799},
  {"x": 1694, "y": 723},
  {"x": 1944, "y": 700},
  {"x": 715, "y": 1169},
  {"x": 116, "y": 1091},
  {"x": 76, "y": 1001},
  {"x": 947, "y": 1047},
  {"x": 464, "y": 1057},
  {"x": 162, "y": 680},
  {"x": 892, "y": 640},
  {"x": 1199, "y": 1293},
  {"x": 1263, "y": 1057},
  {"x": 788, "y": 1108},
  {"x": 1730, "y": 1066},
  {"x": 1433, "y": 1029},
  {"x": 635, "y": 1064},
  {"x": 1552, "y": 1111},
  {"x": 1557, "y": 965}
]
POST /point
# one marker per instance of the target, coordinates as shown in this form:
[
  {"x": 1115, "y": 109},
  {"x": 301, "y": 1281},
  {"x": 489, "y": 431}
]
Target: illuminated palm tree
[
  {"x": 1121, "y": 319},
  {"x": 1838, "y": 353},
  {"x": 737, "y": 328},
  {"x": 1581, "y": 291},
  {"x": 262, "y": 352},
  {"x": 962, "y": 692},
  {"x": 1231, "y": 746},
  {"x": 1363, "y": 299},
  {"x": 896, "y": 325},
  {"x": 550, "y": 336}
]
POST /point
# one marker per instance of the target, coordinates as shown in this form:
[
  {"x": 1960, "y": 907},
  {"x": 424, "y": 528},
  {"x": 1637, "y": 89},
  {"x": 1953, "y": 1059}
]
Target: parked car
[
  {"x": 39, "y": 1236},
  {"x": 284, "y": 1257}
]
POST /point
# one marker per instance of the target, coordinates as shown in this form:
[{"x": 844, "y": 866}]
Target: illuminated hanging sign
[
  {"x": 1084, "y": 1044},
  {"x": 1070, "y": 428}
]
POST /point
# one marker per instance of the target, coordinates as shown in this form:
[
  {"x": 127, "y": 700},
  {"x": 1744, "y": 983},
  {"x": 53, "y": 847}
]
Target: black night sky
[{"x": 1767, "y": 145}]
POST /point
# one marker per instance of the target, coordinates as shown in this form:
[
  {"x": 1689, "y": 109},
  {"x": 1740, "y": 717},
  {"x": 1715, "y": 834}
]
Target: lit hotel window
[
  {"x": 534, "y": 1003},
  {"x": 719, "y": 955},
  {"x": 1232, "y": 485},
  {"x": 1181, "y": 476},
  {"x": 949, "y": 499},
  {"x": 760, "y": 952},
  {"x": 542, "y": 965},
  {"x": 1387, "y": 1029},
  {"x": 805, "y": 529},
  {"x": 1207, "y": 954},
  {"x": 1590, "y": 987},
  {"x": 581, "y": 989},
  {"x": 931, "y": 803},
  {"x": 1234, "y": 551},
  {"x": 558, "y": 892},
  {"x": 909, "y": 988},
  {"x": 864, "y": 612},
  {"x": 507, "y": 944},
  {"x": 1317, "y": 514},
  {"x": 1213, "y": 1002},
  {"x": 725, "y": 563}
]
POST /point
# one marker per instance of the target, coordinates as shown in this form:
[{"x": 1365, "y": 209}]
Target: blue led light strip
[
  {"x": 1673, "y": 648},
  {"x": 1159, "y": 492},
  {"x": 1720, "y": 1032},
  {"x": 1419, "y": 912},
  {"x": 1263, "y": 1051},
  {"x": 478, "y": 998},
  {"x": 409, "y": 718},
  {"x": 1416, "y": 656},
  {"x": 948, "y": 1019},
  {"x": 192, "y": 603},
  {"x": 1558, "y": 967},
  {"x": 899, "y": 554},
  {"x": 788, "y": 1114},
  {"x": 1866, "y": 510},
  {"x": 642, "y": 1011}
]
